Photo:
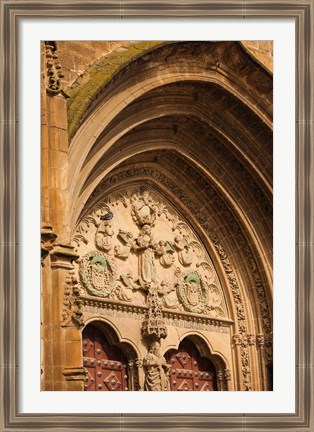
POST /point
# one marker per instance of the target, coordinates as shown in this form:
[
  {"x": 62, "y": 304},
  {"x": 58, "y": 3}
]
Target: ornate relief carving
[
  {"x": 144, "y": 209},
  {"x": 154, "y": 324},
  {"x": 98, "y": 274},
  {"x": 54, "y": 72},
  {"x": 150, "y": 210},
  {"x": 192, "y": 291},
  {"x": 236, "y": 339},
  {"x": 104, "y": 233},
  {"x": 155, "y": 244},
  {"x": 184, "y": 250},
  {"x": 72, "y": 309}
]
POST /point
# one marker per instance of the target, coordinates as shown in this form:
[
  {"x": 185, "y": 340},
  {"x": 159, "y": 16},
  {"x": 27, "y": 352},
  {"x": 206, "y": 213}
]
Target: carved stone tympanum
[{"x": 146, "y": 253}]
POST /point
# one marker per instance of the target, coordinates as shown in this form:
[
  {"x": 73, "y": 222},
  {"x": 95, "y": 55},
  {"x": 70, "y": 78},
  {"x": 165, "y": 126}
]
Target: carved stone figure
[
  {"x": 165, "y": 252},
  {"x": 129, "y": 290},
  {"x": 184, "y": 251},
  {"x": 156, "y": 370},
  {"x": 168, "y": 295},
  {"x": 144, "y": 209},
  {"x": 104, "y": 233},
  {"x": 128, "y": 240},
  {"x": 146, "y": 247}
]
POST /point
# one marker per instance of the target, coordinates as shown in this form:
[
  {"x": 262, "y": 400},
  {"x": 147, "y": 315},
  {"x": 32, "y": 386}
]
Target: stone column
[
  {"x": 238, "y": 378},
  {"x": 261, "y": 345}
]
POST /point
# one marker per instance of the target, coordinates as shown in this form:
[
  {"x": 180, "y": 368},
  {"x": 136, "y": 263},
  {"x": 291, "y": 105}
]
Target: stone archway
[{"x": 180, "y": 125}]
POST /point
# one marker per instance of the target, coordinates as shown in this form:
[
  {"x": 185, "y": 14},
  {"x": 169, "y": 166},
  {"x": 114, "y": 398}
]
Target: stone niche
[{"x": 133, "y": 242}]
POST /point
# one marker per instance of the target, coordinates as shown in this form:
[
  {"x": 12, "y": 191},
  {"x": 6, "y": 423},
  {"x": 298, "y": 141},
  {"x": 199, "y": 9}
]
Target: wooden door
[
  {"x": 189, "y": 371},
  {"x": 105, "y": 365}
]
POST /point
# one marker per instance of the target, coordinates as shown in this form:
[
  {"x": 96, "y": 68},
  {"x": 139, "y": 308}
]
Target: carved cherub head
[{"x": 146, "y": 229}]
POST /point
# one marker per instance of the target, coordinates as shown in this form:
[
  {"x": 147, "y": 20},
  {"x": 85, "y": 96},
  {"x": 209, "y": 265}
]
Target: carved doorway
[
  {"x": 189, "y": 371},
  {"x": 106, "y": 365}
]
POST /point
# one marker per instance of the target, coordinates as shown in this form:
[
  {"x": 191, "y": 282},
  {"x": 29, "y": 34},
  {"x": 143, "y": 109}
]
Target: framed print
[{"x": 160, "y": 156}]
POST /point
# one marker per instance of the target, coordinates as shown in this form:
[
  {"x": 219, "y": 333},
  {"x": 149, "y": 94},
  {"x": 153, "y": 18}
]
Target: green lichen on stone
[{"x": 87, "y": 87}]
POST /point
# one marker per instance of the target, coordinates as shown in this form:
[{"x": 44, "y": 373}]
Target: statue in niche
[
  {"x": 165, "y": 252},
  {"x": 184, "y": 251},
  {"x": 146, "y": 246},
  {"x": 127, "y": 238},
  {"x": 168, "y": 295},
  {"x": 144, "y": 209},
  {"x": 156, "y": 370},
  {"x": 104, "y": 233}
]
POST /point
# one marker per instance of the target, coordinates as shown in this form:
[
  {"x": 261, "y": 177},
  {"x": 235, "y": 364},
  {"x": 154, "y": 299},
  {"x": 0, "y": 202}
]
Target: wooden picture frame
[{"x": 10, "y": 417}]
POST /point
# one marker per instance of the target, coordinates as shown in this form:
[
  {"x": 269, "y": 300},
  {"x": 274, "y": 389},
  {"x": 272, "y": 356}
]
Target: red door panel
[
  {"x": 105, "y": 365},
  {"x": 189, "y": 371}
]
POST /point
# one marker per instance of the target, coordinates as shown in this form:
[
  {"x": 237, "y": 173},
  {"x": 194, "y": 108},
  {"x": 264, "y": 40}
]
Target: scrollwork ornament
[{"x": 237, "y": 339}]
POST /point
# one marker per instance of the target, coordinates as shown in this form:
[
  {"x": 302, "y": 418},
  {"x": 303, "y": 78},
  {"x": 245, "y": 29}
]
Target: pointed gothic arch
[{"x": 191, "y": 125}]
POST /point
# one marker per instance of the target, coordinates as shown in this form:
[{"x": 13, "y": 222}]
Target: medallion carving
[
  {"x": 97, "y": 274},
  {"x": 193, "y": 293}
]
